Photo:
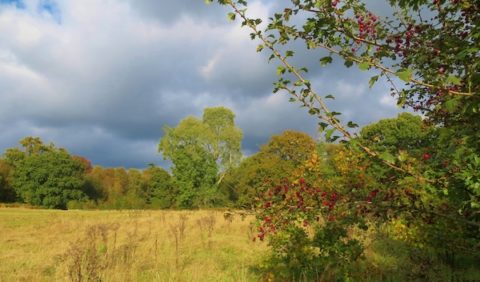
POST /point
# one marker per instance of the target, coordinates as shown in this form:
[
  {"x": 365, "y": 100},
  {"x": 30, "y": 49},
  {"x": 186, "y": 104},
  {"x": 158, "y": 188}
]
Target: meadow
[
  {"x": 168, "y": 245},
  {"x": 133, "y": 245}
]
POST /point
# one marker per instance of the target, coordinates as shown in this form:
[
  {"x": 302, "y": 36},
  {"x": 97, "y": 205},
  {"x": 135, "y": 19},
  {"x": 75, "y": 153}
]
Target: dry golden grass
[{"x": 52, "y": 245}]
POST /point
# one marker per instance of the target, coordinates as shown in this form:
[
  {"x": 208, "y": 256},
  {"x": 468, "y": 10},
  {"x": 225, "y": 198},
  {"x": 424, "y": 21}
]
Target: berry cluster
[
  {"x": 296, "y": 201},
  {"x": 367, "y": 28},
  {"x": 367, "y": 25}
]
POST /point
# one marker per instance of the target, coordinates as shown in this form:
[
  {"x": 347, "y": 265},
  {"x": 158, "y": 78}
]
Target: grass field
[{"x": 53, "y": 245}]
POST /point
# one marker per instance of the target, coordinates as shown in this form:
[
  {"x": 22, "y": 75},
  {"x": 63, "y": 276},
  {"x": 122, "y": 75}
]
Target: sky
[{"x": 102, "y": 78}]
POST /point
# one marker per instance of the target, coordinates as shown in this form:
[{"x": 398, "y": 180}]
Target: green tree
[
  {"x": 161, "y": 192},
  {"x": 406, "y": 132},
  {"x": 136, "y": 183},
  {"x": 7, "y": 194},
  {"x": 199, "y": 150},
  {"x": 98, "y": 180},
  {"x": 45, "y": 175},
  {"x": 245, "y": 184},
  {"x": 291, "y": 146},
  {"x": 117, "y": 188},
  {"x": 226, "y": 137},
  {"x": 403, "y": 140},
  {"x": 275, "y": 161},
  {"x": 194, "y": 167},
  {"x": 134, "y": 196}
]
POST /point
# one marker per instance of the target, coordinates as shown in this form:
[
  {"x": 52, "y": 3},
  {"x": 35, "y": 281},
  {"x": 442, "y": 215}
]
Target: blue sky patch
[
  {"x": 17, "y": 3},
  {"x": 50, "y": 7}
]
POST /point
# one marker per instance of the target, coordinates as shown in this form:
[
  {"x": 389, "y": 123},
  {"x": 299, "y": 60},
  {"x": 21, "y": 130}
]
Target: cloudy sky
[{"x": 101, "y": 78}]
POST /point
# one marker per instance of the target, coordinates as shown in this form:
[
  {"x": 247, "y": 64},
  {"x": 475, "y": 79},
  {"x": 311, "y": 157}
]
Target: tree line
[
  {"x": 207, "y": 170},
  {"x": 207, "y": 167},
  {"x": 47, "y": 176}
]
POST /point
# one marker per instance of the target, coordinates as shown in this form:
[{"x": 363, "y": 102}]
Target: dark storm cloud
[{"x": 104, "y": 80}]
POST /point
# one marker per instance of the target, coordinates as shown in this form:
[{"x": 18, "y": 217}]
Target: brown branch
[
  {"x": 376, "y": 64},
  {"x": 331, "y": 120}
]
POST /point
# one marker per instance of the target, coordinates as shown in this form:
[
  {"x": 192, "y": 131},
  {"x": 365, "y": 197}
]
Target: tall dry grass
[{"x": 47, "y": 245}]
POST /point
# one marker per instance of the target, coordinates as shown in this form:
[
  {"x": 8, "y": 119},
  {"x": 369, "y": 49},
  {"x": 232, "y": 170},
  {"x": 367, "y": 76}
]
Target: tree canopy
[
  {"x": 199, "y": 151},
  {"x": 44, "y": 175},
  {"x": 275, "y": 161}
]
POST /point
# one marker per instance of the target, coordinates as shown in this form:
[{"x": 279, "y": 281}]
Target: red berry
[{"x": 426, "y": 156}]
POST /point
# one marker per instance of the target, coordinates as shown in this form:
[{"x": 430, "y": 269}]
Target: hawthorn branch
[
  {"x": 373, "y": 63},
  {"x": 387, "y": 70},
  {"x": 327, "y": 116}
]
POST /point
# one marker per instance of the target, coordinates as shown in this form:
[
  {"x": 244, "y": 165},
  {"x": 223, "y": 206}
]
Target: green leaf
[
  {"x": 289, "y": 53},
  {"x": 348, "y": 64},
  {"x": 231, "y": 16},
  {"x": 259, "y": 48},
  {"x": 328, "y": 133},
  {"x": 313, "y": 111},
  {"x": 451, "y": 105},
  {"x": 402, "y": 98},
  {"x": 322, "y": 126},
  {"x": 454, "y": 80},
  {"x": 352, "y": 124},
  {"x": 405, "y": 74},
  {"x": 334, "y": 138},
  {"x": 311, "y": 44},
  {"x": 403, "y": 156},
  {"x": 386, "y": 156},
  {"x": 280, "y": 70},
  {"x": 372, "y": 81},
  {"x": 326, "y": 60},
  {"x": 364, "y": 66},
  {"x": 333, "y": 113},
  {"x": 330, "y": 97}
]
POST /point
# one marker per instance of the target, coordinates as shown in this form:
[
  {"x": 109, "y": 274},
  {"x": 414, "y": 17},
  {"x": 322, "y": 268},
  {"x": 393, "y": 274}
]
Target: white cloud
[
  {"x": 208, "y": 69},
  {"x": 102, "y": 77},
  {"x": 388, "y": 101},
  {"x": 347, "y": 90}
]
